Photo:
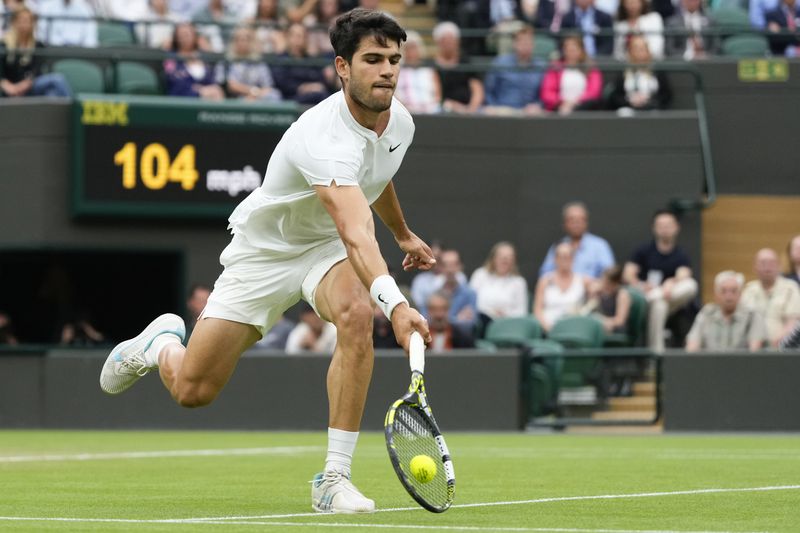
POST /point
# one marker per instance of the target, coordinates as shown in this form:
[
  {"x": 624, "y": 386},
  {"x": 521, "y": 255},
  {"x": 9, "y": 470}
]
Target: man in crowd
[
  {"x": 592, "y": 253},
  {"x": 515, "y": 81},
  {"x": 662, "y": 271},
  {"x": 726, "y": 324},
  {"x": 774, "y": 297},
  {"x": 446, "y": 336},
  {"x": 462, "y": 299},
  {"x": 591, "y": 21}
]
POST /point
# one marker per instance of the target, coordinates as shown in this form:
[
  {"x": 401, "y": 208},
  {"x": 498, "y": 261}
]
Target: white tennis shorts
[{"x": 258, "y": 285}]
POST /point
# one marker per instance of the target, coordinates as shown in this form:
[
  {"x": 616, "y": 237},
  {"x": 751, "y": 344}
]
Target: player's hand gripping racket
[{"x": 416, "y": 447}]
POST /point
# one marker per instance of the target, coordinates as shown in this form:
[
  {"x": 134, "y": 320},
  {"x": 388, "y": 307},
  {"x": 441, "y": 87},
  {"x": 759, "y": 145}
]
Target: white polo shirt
[{"x": 324, "y": 145}]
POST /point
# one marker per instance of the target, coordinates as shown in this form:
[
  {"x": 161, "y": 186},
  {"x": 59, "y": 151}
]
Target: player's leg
[
  {"x": 194, "y": 375},
  {"x": 342, "y": 299}
]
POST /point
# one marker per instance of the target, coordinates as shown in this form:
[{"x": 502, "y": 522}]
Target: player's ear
[{"x": 342, "y": 68}]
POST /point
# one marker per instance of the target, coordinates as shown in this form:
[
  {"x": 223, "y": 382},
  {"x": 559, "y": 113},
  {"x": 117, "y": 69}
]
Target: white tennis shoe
[
  {"x": 127, "y": 363},
  {"x": 333, "y": 492}
]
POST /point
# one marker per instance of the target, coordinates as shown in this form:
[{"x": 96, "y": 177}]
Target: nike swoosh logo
[
  {"x": 393, "y": 148},
  {"x": 380, "y": 296}
]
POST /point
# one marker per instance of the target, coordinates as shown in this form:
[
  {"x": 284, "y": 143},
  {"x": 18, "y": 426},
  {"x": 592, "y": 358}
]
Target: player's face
[{"x": 371, "y": 77}]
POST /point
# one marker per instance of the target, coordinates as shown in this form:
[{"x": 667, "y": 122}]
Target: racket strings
[{"x": 413, "y": 436}]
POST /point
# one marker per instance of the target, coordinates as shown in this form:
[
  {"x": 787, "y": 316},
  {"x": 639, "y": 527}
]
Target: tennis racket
[{"x": 413, "y": 435}]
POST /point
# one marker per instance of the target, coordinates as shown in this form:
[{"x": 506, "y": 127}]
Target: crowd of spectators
[{"x": 270, "y": 50}]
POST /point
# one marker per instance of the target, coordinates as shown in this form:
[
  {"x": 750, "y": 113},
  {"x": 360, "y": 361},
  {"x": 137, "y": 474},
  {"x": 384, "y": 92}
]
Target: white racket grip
[{"x": 416, "y": 353}]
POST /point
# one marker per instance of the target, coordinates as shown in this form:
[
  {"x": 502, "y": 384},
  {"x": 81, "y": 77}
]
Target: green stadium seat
[
  {"x": 636, "y": 325},
  {"x": 82, "y": 76},
  {"x": 748, "y": 45},
  {"x": 731, "y": 20},
  {"x": 512, "y": 332},
  {"x": 136, "y": 78},
  {"x": 578, "y": 332},
  {"x": 114, "y": 34},
  {"x": 544, "y": 376},
  {"x": 545, "y": 46}
]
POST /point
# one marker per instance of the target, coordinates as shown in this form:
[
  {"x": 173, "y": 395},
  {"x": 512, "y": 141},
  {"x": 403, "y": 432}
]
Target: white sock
[
  {"x": 151, "y": 354},
  {"x": 341, "y": 445}
]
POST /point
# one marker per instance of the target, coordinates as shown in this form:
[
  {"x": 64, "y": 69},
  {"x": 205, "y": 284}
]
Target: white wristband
[{"x": 386, "y": 294}]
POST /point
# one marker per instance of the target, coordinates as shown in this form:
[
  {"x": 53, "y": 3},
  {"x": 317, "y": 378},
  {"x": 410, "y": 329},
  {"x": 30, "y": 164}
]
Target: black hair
[
  {"x": 622, "y": 13},
  {"x": 351, "y": 27},
  {"x": 669, "y": 212},
  {"x": 614, "y": 274}
]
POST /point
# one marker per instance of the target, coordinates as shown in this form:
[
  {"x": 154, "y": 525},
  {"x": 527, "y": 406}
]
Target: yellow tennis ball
[{"x": 423, "y": 468}]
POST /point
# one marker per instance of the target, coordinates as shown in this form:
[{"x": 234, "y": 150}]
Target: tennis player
[{"x": 308, "y": 233}]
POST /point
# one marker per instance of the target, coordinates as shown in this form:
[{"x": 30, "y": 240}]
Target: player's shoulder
[
  {"x": 320, "y": 133},
  {"x": 402, "y": 115}
]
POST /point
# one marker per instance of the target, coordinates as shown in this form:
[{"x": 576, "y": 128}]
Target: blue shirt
[
  {"x": 463, "y": 297},
  {"x": 758, "y": 11},
  {"x": 585, "y": 21},
  {"x": 592, "y": 257},
  {"x": 511, "y": 87}
]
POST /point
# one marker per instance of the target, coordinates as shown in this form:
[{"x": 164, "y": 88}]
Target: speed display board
[{"x": 169, "y": 157}]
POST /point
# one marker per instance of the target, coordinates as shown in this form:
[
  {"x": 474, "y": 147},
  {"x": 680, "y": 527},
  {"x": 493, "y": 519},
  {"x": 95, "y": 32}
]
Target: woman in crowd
[
  {"x": 462, "y": 91},
  {"x": 305, "y": 84},
  {"x": 247, "y": 77},
  {"x": 573, "y": 82},
  {"x": 418, "y": 86},
  {"x": 21, "y": 67},
  {"x": 612, "y": 303},
  {"x": 639, "y": 87},
  {"x": 268, "y": 22},
  {"x": 501, "y": 291},
  {"x": 318, "y": 24},
  {"x": 634, "y": 16},
  {"x": 157, "y": 26},
  {"x": 562, "y": 292},
  {"x": 187, "y": 74}
]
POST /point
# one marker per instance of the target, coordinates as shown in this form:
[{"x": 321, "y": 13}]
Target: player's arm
[
  {"x": 418, "y": 254},
  {"x": 350, "y": 211}
]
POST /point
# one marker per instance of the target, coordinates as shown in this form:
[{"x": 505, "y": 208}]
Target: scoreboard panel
[{"x": 169, "y": 157}]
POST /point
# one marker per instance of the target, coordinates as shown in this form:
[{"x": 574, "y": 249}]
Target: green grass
[{"x": 489, "y": 468}]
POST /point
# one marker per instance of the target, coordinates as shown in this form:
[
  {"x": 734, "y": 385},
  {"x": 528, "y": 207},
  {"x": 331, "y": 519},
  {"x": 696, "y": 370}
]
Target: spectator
[
  {"x": 446, "y": 335},
  {"x": 127, "y": 10},
  {"x": 311, "y": 334},
  {"x": 462, "y": 92},
  {"x": 418, "y": 85},
  {"x": 60, "y": 24},
  {"x": 499, "y": 289},
  {"x": 550, "y": 14},
  {"x": 572, "y": 83},
  {"x": 276, "y": 337},
  {"x": 186, "y": 72},
  {"x": 21, "y": 67},
  {"x": 382, "y": 331},
  {"x": 662, "y": 271},
  {"x": 302, "y": 83},
  {"x": 783, "y": 23},
  {"x": 515, "y": 79},
  {"x": 758, "y": 12},
  {"x": 427, "y": 282},
  {"x": 611, "y": 304},
  {"x": 214, "y": 23},
  {"x": 793, "y": 253},
  {"x": 268, "y": 22},
  {"x": 452, "y": 283},
  {"x": 158, "y": 25},
  {"x": 297, "y": 10},
  {"x": 639, "y": 88},
  {"x": 246, "y": 76},
  {"x": 186, "y": 10},
  {"x": 726, "y": 324},
  {"x": 774, "y": 297},
  {"x": 561, "y": 292},
  {"x": 78, "y": 330},
  {"x": 592, "y": 253},
  {"x": 6, "y": 330},
  {"x": 196, "y": 302},
  {"x": 595, "y": 26},
  {"x": 686, "y": 29},
  {"x": 318, "y": 24},
  {"x": 635, "y": 17}
]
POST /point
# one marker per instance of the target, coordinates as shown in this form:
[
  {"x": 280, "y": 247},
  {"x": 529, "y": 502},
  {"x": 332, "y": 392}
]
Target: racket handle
[{"x": 416, "y": 353}]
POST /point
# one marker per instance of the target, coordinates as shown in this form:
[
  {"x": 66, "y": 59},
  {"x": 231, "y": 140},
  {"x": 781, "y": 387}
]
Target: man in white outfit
[{"x": 308, "y": 233}]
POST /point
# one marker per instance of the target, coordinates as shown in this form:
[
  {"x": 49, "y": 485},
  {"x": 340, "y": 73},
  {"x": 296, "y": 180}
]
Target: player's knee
[
  {"x": 193, "y": 396},
  {"x": 357, "y": 317}
]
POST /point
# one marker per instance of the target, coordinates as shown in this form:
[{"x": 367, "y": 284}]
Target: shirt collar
[{"x": 351, "y": 121}]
